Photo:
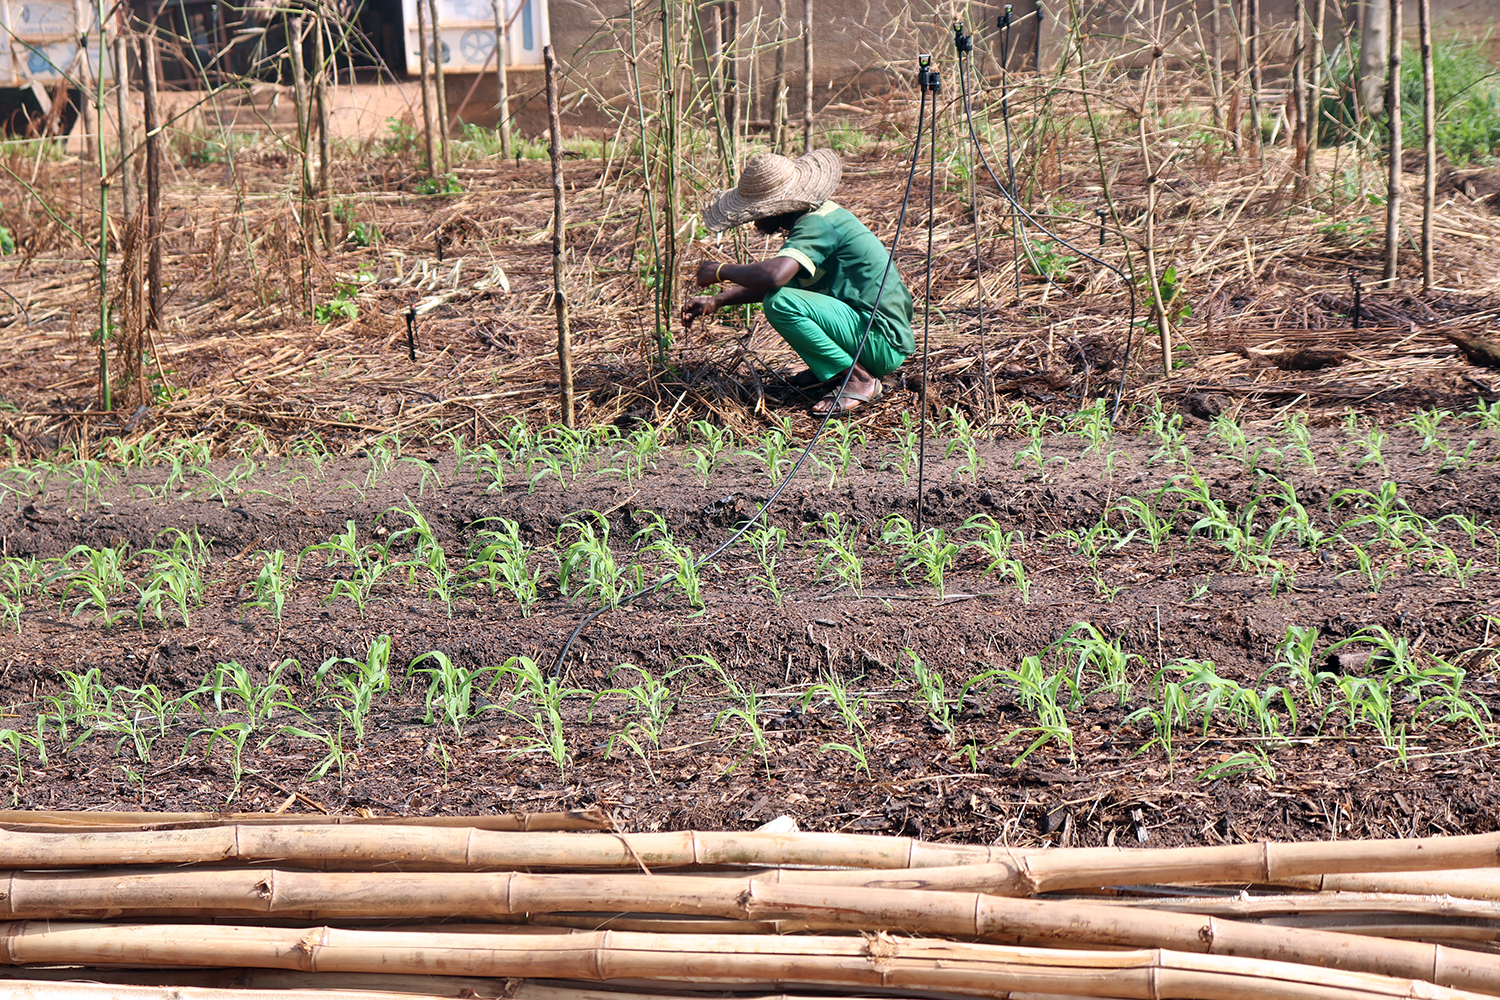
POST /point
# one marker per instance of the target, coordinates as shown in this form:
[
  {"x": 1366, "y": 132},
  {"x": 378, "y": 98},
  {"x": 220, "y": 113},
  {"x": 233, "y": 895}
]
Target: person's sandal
[{"x": 848, "y": 400}]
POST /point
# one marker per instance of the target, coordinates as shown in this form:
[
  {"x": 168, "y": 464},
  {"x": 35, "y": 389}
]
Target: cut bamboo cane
[
  {"x": 559, "y": 245},
  {"x": 1468, "y": 884},
  {"x": 1252, "y": 60},
  {"x": 779, "y": 139},
  {"x": 424, "y": 50},
  {"x": 1045, "y": 923},
  {"x": 904, "y": 863},
  {"x": 439, "y": 84},
  {"x": 877, "y": 961},
  {"x": 1254, "y": 907},
  {"x": 345, "y": 987},
  {"x": 1315, "y": 94},
  {"x": 43, "y": 820}
]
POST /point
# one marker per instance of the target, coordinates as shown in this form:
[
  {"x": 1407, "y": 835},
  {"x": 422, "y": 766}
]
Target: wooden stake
[
  {"x": 424, "y": 47},
  {"x": 442, "y": 88},
  {"x": 1299, "y": 96},
  {"x": 1429, "y": 139},
  {"x": 502, "y": 82},
  {"x": 1393, "y": 115},
  {"x": 153, "y": 178},
  {"x": 559, "y": 237}
]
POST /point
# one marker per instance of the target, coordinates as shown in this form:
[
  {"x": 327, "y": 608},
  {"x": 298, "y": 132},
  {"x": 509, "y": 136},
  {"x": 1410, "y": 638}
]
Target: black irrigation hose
[
  {"x": 746, "y": 525},
  {"x": 1016, "y": 205},
  {"x": 928, "y": 79}
]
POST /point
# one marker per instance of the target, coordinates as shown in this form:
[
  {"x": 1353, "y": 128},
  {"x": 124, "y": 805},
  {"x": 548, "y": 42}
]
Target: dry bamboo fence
[{"x": 319, "y": 909}]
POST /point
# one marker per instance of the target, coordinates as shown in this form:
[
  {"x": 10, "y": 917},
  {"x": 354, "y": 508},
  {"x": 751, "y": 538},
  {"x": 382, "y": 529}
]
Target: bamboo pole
[
  {"x": 1393, "y": 152},
  {"x": 1429, "y": 139},
  {"x": 1216, "y": 62},
  {"x": 559, "y": 241},
  {"x": 440, "y": 83},
  {"x": 331, "y": 986},
  {"x": 126, "y": 131},
  {"x": 1252, "y": 56},
  {"x": 788, "y": 907},
  {"x": 424, "y": 49},
  {"x": 779, "y": 140},
  {"x": 44, "y": 820},
  {"x": 325, "y": 151},
  {"x": 1299, "y": 96},
  {"x": 880, "y": 961},
  {"x": 152, "y": 125},
  {"x": 1315, "y": 94},
  {"x": 732, "y": 81},
  {"x": 900, "y": 862},
  {"x": 807, "y": 74},
  {"x": 106, "y": 395},
  {"x": 502, "y": 80}
]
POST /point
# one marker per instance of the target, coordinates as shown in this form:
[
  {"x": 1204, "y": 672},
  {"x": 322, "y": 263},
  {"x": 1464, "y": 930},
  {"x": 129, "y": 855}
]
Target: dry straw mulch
[{"x": 239, "y": 359}]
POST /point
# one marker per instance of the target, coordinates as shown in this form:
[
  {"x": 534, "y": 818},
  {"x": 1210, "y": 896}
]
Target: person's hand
[
  {"x": 700, "y": 305},
  {"x": 708, "y": 272}
]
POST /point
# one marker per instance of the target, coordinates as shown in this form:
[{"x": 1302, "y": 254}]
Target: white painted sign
[
  {"x": 39, "y": 44},
  {"x": 468, "y": 35}
]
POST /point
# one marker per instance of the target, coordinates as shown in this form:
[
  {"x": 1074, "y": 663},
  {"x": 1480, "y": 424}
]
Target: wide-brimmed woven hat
[{"x": 773, "y": 184}]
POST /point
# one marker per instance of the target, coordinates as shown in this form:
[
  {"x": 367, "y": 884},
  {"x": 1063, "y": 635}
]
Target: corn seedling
[
  {"x": 487, "y": 463},
  {"x": 1038, "y": 692},
  {"x": 836, "y": 558},
  {"x": 257, "y": 702},
  {"x": 930, "y": 551},
  {"x": 649, "y": 703},
  {"x": 1253, "y": 762},
  {"x": 1171, "y": 443},
  {"x": 849, "y": 705},
  {"x": 1167, "y": 710},
  {"x": 545, "y": 694},
  {"x": 99, "y": 580},
  {"x": 450, "y": 688},
  {"x": 335, "y": 754},
  {"x": 365, "y": 565},
  {"x": 427, "y": 555},
  {"x": 357, "y": 690},
  {"x": 269, "y": 589},
  {"x": 745, "y": 711},
  {"x": 772, "y": 450},
  {"x": 1295, "y": 427},
  {"x": 174, "y": 576},
  {"x": 767, "y": 542},
  {"x": 962, "y": 441},
  {"x": 1089, "y": 650},
  {"x": 498, "y": 561},
  {"x": 679, "y": 559},
  {"x": 929, "y": 693},
  {"x": 1156, "y": 527},
  {"x": 587, "y": 568},
  {"x": 840, "y": 438},
  {"x": 712, "y": 453}
]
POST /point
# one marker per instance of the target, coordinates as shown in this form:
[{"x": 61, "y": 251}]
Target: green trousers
[{"x": 824, "y": 331}]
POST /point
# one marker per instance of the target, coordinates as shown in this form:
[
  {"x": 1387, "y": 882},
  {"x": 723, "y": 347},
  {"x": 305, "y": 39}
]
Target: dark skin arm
[{"x": 751, "y": 282}]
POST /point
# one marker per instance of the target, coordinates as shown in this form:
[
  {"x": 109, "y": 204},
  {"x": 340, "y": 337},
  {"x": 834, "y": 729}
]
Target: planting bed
[
  {"x": 1265, "y": 605},
  {"x": 1350, "y": 568}
]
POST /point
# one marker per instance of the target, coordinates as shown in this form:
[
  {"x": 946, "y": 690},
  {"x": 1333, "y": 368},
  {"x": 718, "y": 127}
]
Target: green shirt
[{"x": 837, "y": 256}]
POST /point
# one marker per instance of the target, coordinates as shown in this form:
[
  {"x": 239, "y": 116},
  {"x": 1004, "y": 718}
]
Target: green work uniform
[{"x": 824, "y": 311}]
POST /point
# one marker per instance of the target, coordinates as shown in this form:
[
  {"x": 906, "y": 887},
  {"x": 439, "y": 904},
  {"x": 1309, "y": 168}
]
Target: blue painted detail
[
  {"x": 26, "y": 15},
  {"x": 40, "y": 64},
  {"x": 528, "y": 40}
]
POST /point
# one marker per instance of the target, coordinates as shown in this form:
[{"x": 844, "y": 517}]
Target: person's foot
[
  {"x": 863, "y": 389},
  {"x": 805, "y": 379}
]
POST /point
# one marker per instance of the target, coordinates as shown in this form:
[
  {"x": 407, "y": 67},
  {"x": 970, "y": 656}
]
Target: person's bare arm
[
  {"x": 751, "y": 283},
  {"x": 763, "y": 275}
]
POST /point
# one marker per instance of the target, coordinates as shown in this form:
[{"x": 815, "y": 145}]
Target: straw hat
[{"x": 772, "y": 184}]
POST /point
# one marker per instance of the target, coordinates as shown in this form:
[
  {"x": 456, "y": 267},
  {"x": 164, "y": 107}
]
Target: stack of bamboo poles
[{"x": 534, "y": 907}]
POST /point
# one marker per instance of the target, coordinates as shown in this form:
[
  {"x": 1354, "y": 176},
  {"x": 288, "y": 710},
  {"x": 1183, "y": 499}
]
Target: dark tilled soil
[{"x": 1325, "y": 776}]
